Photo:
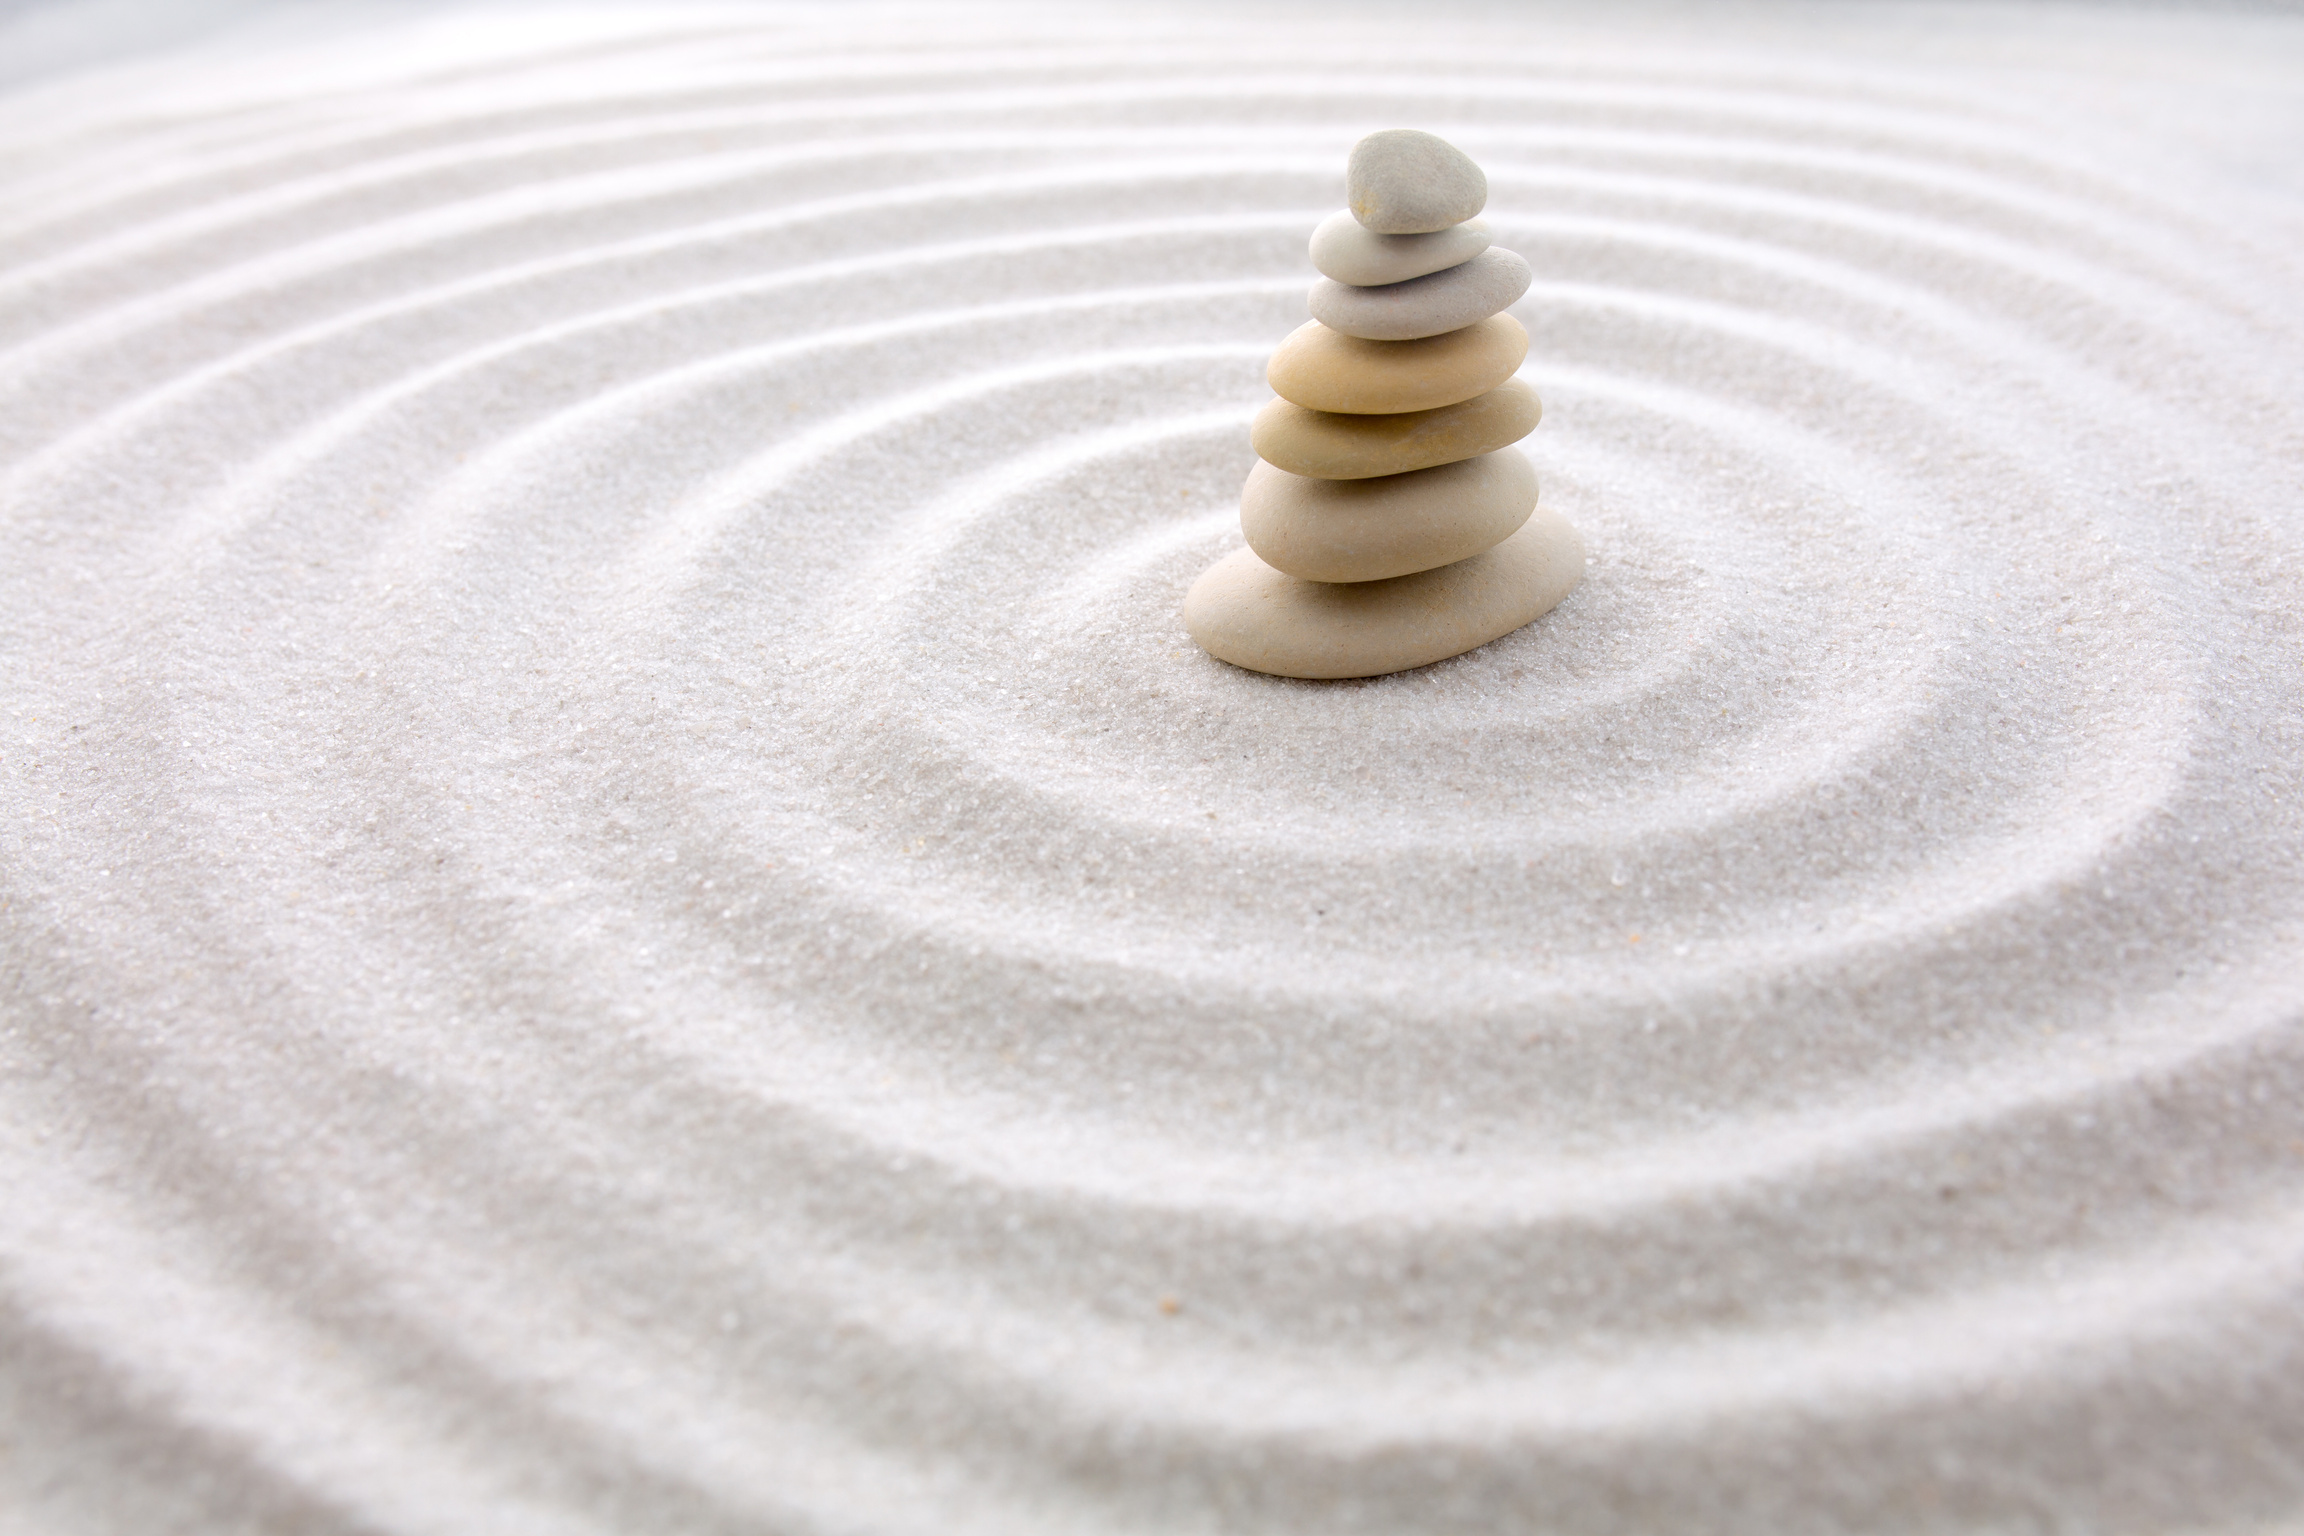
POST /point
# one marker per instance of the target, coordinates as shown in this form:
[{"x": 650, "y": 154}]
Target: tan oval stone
[
  {"x": 1244, "y": 612},
  {"x": 1350, "y": 252},
  {"x": 1394, "y": 525},
  {"x": 1325, "y": 370},
  {"x": 1328, "y": 446},
  {"x": 1432, "y": 305}
]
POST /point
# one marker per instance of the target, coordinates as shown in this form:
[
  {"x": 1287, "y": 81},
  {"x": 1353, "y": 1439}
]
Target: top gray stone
[{"x": 1404, "y": 181}]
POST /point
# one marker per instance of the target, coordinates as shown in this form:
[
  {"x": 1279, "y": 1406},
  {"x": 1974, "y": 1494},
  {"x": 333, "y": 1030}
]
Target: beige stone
[
  {"x": 1328, "y": 446},
  {"x": 1325, "y": 370},
  {"x": 1431, "y": 305},
  {"x": 1350, "y": 252},
  {"x": 1404, "y": 181},
  {"x": 1367, "y": 530},
  {"x": 1244, "y": 612}
]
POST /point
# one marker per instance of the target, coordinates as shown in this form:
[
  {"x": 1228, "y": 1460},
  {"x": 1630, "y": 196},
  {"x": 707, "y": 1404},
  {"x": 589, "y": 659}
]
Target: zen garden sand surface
[{"x": 626, "y": 907}]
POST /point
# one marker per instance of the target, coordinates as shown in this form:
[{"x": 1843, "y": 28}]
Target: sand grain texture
[{"x": 623, "y": 907}]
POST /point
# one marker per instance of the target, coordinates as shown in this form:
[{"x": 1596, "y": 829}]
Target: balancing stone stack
[{"x": 1391, "y": 523}]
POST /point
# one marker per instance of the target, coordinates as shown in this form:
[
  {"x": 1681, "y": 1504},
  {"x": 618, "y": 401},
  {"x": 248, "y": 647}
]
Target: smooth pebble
[
  {"x": 1328, "y": 446},
  {"x": 1350, "y": 252},
  {"x": 1424, "y": 306},
  {"x": 1245, "y": 612},
  {"x": 1326, "y": 370},
  {"x": 1393, "y": 525},
  {"x": 1404, "y": 181}
]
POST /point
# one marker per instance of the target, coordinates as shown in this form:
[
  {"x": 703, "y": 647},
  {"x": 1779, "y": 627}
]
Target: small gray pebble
[
  {"x": 1462, "y": 295},
  {"x": 1404, "y": 181},
  {"x": 1346, "y": 250}
]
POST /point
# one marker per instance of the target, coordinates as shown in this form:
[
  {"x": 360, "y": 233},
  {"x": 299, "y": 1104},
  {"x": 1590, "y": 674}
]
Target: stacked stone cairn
[{"x": 1391, "y": 523}]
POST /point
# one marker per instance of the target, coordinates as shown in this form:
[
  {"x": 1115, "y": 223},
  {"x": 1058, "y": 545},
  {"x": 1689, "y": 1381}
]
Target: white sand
[{"x": 626, "y": 910}]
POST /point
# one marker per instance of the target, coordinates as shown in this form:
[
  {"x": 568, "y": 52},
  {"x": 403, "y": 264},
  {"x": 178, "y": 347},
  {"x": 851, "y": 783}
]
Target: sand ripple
[{"x": 625, "y": 907}]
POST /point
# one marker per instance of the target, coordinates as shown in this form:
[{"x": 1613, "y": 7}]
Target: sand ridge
[{"x": 624, "y": 907}]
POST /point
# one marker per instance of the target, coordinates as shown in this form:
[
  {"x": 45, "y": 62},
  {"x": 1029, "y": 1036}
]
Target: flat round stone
[
  {"x": 1393, "y": 525},
  {"x": 1325, "y": 370},
  {"x": 1244, "y": 612},
  {"x": 1328, "y": 446},
  {"x": 1424, "y": 306},
  {"x": 1350, "y": 252},
  {"x": 1404, "y": 181}
]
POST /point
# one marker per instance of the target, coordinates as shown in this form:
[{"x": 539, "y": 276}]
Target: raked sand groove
[{"x": 624, "y": 907}]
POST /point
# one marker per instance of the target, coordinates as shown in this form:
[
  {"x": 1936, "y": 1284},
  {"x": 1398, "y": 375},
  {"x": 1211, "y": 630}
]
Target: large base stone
[{"x": 1244, "y": 612}]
